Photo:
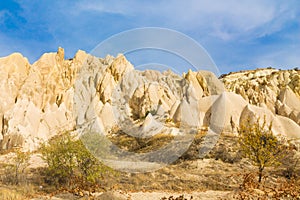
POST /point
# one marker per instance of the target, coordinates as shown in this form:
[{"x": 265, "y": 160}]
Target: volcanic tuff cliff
[
  {"x": 277, "y": 90},
  {"x": 54, "y": 94}
]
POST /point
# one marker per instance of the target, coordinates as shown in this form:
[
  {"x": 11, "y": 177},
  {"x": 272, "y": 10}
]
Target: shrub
[
  {"x": 281, "y": 189},
  {"x": 290, "y": 162},
  {"x": 70, "y": 164},
  {"x": 6, "y": 194},
  {"x": 21, "y": 163},
  {"x": 260, "y": 145},
  {"x": 15, "y": 171}
]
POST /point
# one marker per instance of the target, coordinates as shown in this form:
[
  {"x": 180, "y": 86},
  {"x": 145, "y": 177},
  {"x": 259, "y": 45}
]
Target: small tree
[
  {"x": 70, "y": 163},
  {"x": 21, "y": 162},
  {"x": 260, "y": 145},
  {"x": 15, "y": 171}
]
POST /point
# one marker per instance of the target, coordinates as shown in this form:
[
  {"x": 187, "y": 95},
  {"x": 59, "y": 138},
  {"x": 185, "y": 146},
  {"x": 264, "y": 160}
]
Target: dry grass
[
  {"x": 281, "y": 189},
  {"x": 219, "y": 171},
  {"x": 140, "y": 145},
  {"x": 20, "y": 192},
  {"x": 187, "y": 176},
  {"x": 7, "y": 194}
]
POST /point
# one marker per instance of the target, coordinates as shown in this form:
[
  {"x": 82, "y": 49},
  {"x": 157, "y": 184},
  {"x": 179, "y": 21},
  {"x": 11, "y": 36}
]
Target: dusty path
[
  {"x": 208, "y": 195},
  {"x": 119, "y": 195}
]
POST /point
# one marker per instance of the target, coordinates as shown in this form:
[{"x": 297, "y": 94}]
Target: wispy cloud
[
  {"x": 223, "y": 19},
  {"x": 114, "y": 7},
  {"x": 235, "y": 33},
  {"x": 280, "y": 59}
]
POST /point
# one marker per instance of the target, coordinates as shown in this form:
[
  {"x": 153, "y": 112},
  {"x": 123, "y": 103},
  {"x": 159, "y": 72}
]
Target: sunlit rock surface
[{"x": 87, "y": 93}]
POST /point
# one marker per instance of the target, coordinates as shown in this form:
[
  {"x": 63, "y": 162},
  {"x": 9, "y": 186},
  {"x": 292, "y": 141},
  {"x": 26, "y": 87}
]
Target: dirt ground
[{"x": 218, "y": 176}]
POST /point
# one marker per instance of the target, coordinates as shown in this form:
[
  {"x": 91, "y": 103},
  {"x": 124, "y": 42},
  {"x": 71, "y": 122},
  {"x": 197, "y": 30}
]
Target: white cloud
[
  {"x": 115, "y": 7},
  {"x": 224, "y": 26},
  {"x": 279, "y": 59},
  {"x": 223, "y": 19}
]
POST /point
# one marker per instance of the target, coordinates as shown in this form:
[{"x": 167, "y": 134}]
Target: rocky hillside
[
  {"x": 105, "y": 94},
  {"x": 277, "y": 90}
]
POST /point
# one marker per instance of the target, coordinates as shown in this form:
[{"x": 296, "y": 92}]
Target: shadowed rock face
[{"x": 53, "y": 94}]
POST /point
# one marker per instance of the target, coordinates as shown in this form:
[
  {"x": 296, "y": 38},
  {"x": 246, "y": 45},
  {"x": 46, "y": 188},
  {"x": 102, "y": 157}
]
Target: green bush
[{"x": 70, "y": 164}]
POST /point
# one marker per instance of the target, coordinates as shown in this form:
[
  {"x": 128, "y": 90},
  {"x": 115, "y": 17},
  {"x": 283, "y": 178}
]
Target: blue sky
[{"x": 237, "y": 34}]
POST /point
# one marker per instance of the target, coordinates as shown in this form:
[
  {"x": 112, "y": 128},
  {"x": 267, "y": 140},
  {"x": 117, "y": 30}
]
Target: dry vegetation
[
  {"x": 223, "y": 169},
  {"x": 140, "y": 145}
]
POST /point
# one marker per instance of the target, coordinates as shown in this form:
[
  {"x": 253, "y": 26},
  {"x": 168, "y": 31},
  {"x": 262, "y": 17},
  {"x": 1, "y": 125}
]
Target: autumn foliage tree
[{"x": 260, "y": 145}]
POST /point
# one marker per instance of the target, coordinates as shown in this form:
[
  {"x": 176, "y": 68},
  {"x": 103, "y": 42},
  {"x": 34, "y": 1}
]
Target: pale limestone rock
[
  {"x": 174, "y": 108},
  {"x": 150, "y": 127},
  {"x": 295, "y": 82},
  {"x": 48, "y": 79},
  {"x": 214, "y": 85},
  {"x": 160, "y": 111},
  {"x": 1, "y": 126},
  {"x": 284, "y": 110},
  {"x": 295, "y": 116},
  {"x": 187, "y": 114},
  {"x": 152, "y": 75},
  {"x": 148, "y": 97},
  {"x": 108, "y": 84},
  {"x": 230, "y": 108},
  {"x": 289, "y": 128},
  {"x": 277, "y": 90},
  {"x": 289, "y": 98},
  {"x": 81, "y": 56},
  {"x": 98, "y": 127},
  {"x": 254, "y": 112},
  {"x": 23, "y": 122},
  {"x": 43, "y": 86},
  {"x": 94, "y": 94},
  {"x": 83, "y": 96},
  {"x": 107, "y": 116},
  {"x": 12, "y": 141},
  {"x": 119, "y": 67},
  {"x": 14, "y": 63},
  {"x": 221, "y": 111},
  {"x": 13, "y": 72},
  {"x": 195, "y": 85},
  {"x": 130, "y": 82}
]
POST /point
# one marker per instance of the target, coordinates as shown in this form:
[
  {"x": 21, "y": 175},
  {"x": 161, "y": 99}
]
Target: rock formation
[
  {"x": 276, "y": 90},
  {"x": 88, "y": 93}
]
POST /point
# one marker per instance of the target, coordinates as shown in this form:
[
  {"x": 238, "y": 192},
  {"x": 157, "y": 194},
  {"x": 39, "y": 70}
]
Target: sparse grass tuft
[
  {"x": 20, "y": 192},
  {"x": 7, "y": 194},
  {"x": 140, "y": 145}
]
